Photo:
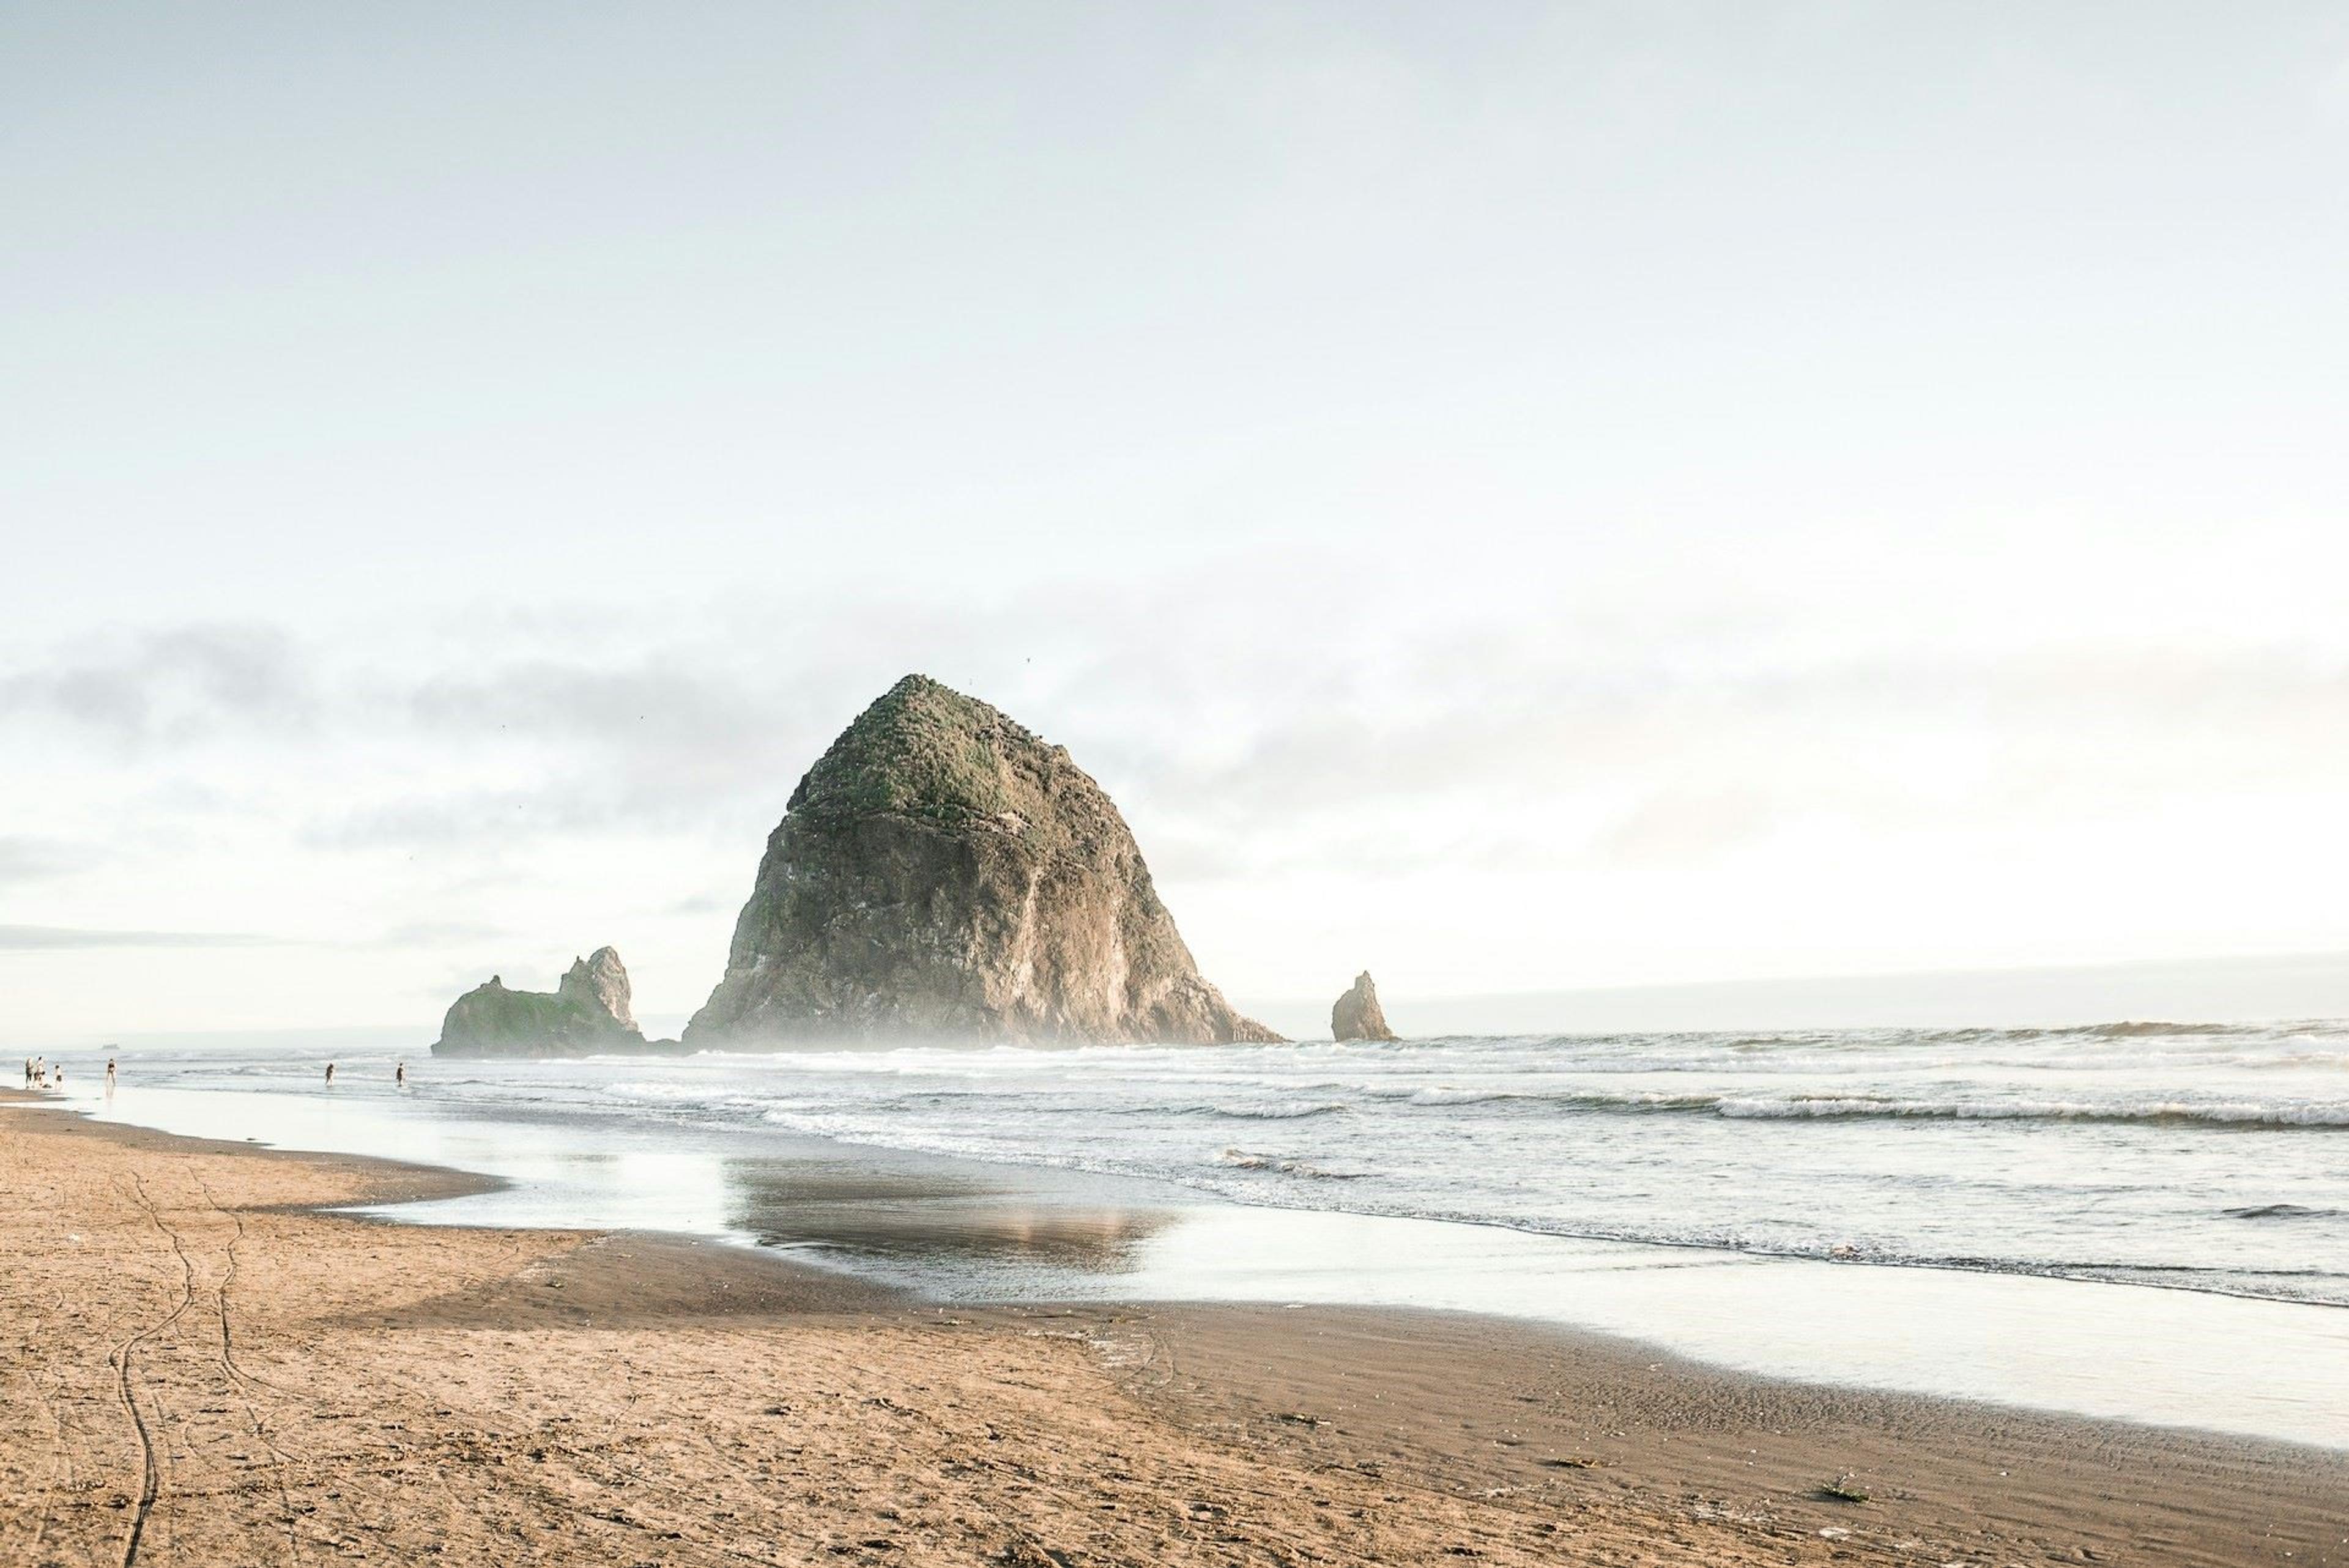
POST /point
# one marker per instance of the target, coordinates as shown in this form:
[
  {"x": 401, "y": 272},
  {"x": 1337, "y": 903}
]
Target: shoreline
[
  {"x": 976, "y": 1231},
  {"x": 1522, "y": 1442}
]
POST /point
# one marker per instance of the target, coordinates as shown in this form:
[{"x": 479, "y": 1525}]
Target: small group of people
[
  {"x": 40, "y": 1073},
  {"x": 398, "y": 1075}
]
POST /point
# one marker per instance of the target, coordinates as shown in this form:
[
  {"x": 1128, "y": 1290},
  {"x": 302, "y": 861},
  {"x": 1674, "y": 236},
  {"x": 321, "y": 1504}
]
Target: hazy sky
[{"x": 1515, "y": 495}]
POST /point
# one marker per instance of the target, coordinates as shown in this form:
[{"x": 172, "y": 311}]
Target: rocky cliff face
[
  {"x": 587, "y": 1012},
  {"x": 1357, "y": 1015},
  {"x": 597, "y": 986},
  {"x": 941, "y": 871}
]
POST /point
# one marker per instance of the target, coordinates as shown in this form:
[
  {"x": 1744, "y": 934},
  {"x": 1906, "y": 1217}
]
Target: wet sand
[
  {"x": 202, "y": 1370},
  {"x": 1472, "y": 1403}
]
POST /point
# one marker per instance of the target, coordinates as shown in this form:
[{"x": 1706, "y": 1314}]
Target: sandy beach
[{"x": 204, "y": 1370}]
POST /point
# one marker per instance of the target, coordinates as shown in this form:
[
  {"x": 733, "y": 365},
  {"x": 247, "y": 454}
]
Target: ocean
[{"x": 2209, "y": 1160}]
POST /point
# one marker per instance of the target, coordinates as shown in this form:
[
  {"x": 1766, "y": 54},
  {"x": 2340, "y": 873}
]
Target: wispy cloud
[
  {"x": 438, "y": 933},
  {"x": 167, "y": 686},
  {"x": 58, "y": 938},
  {"x": 1256, "y": 748},
  {"x": 23, "y": 858}
]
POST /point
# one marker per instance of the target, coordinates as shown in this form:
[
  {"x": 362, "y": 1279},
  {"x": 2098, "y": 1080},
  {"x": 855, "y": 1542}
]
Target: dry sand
[{"x": 202, "y": 1371}]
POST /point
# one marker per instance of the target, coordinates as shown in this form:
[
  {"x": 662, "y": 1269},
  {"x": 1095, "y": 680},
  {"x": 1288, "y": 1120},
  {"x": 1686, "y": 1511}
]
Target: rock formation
[
  {"x": 1356, "y": 1015},
  {"x": 943, "y": 872},
  {"x": 587, "y": 1013}
]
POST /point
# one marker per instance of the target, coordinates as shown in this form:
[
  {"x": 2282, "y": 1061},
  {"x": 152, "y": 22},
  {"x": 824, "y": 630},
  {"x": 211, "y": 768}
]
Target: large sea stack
[
  {"x": 941, "y": 872},
  {"x": 588, "y": 1012}
]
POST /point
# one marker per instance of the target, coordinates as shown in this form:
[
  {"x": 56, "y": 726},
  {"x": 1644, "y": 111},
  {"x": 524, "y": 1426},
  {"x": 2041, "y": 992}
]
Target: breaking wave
[
  {"x": 1244, "y": 1159},
  {"x": 2239, "y": 1114},
  {"x": 1859, "y": 1106}
]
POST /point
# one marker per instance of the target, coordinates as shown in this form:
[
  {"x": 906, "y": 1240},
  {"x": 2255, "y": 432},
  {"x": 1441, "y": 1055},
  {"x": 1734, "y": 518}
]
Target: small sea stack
[
  {"x": 1356, "y": 1015},
  {"x": 587, "y": 1012}
]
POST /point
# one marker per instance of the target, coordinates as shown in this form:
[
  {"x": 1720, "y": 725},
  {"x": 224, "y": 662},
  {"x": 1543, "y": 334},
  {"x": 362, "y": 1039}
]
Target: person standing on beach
[
  {"x": 330, "y": 1075},
  {"x": 110, "y": 1072},
  {"x": 400, "y": 1076}
]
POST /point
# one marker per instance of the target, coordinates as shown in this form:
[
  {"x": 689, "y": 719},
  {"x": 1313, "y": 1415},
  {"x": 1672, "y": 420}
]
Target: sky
[{"x": 1523, "y": 498}]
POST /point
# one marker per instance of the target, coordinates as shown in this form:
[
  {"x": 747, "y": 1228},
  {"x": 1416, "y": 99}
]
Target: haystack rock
[
  {"x": 941, "y": 872},
  {"x": 587, "y": 1013},
  {"x": 1357, "y": 1015}
]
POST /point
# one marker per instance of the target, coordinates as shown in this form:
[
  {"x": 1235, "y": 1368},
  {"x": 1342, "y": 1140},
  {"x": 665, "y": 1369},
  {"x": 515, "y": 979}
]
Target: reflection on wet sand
[{"x": 862, "y": 1215}]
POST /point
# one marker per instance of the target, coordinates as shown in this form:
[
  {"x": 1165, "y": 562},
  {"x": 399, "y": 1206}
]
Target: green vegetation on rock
[{"x": 587, "y": 1012}]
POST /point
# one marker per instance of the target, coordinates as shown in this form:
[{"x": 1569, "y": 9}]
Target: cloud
[
  {"x": 460, "y": 821},
  {"x": 1248, "y": 746},
  {"x": 170, "y": 686},
  {"x": 61, "y": 938},
  {"x": 26, "y": 859},
  {"x": 438, "y": 933},
  {"x": 1691, "y": 825}
]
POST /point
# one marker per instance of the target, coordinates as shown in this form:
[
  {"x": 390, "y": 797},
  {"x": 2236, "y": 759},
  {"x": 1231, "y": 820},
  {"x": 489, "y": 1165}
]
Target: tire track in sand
[
  {"x": 245, "y": 1382},
  {"x": 150, "y": 1480},
  {"x": 62, "y": 1471}
]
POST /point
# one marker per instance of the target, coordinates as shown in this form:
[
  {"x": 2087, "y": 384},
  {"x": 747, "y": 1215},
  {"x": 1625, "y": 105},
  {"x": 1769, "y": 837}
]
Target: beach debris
[
  {"x": 1844, "y": 1489},
  {"x": 1572, "y": 1461}
]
